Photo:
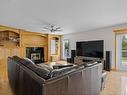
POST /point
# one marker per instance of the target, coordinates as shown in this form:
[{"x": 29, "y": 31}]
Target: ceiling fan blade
[
  {"x": 46, "y": 28},
  {"x": 58, "y": 28}
]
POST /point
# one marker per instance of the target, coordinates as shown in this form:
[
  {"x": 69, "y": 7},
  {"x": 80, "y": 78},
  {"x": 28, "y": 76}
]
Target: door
[{"x": 121, "y": 52}]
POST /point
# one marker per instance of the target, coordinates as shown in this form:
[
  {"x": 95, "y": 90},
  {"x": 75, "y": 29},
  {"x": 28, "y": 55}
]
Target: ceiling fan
[{"x": 52, "y": 28}]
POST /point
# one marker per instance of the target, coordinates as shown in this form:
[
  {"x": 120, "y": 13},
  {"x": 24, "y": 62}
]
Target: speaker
[
  {"x": 73, "y": 54},
  {"x": 69, "y": 60},
  {"x": 107, "y": 65}
]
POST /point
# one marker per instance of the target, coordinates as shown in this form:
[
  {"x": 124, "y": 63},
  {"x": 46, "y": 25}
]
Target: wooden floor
[{"x": 116, "y": 85}]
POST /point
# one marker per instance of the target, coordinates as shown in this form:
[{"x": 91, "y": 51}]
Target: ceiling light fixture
[{"x": 52, "y": 28}]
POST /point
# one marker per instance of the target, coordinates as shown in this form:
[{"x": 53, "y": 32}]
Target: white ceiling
[{"x": 71, "y": 15}]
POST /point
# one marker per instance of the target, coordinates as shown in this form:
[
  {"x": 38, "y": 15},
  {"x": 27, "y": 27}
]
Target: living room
[{"x": 63, "y": 47}]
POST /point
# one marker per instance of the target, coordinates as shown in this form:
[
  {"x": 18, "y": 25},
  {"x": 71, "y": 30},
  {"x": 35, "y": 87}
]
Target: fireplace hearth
[{"x": 36, "y": 54}]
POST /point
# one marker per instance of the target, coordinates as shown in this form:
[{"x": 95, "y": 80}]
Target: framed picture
[{"x": 66, "y": 48}]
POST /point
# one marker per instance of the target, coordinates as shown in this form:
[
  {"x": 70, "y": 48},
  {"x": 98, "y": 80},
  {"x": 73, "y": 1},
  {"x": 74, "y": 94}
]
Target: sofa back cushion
[
  {"x": 61, "y": 71},
  {"x": 45, "y": 66},
  {"x": 41, "y": 71},
  {"x": 21, "y": 61},
  {"x": 29, "y": 60}
]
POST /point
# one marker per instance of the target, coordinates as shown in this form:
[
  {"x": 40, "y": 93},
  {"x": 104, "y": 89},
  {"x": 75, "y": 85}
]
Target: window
[{"x": 124, "y": 49}]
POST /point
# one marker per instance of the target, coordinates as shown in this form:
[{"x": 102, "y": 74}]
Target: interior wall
[{"x": 105, "y": 34}]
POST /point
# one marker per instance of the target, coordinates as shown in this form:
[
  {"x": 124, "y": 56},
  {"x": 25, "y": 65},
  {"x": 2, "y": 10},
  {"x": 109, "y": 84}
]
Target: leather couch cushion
[
  {"x": 41, "y": 71},
  {"x": 61, "y": 71},
  {"x": 29, "y": 60},
  {"x": 22, "y": 61},
  {"x": 57, "y": 72},
  {"x": 44, "y": 66}
]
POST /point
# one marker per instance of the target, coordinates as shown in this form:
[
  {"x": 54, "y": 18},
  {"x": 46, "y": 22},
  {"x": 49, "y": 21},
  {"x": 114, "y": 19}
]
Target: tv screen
[{"x": 90, "y": 48}]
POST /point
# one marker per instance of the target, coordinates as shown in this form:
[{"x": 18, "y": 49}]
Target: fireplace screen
[{"x": 35, "y": 56}]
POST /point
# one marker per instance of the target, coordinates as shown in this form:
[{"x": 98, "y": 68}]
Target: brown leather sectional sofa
[{"x": 75, "y": 80}]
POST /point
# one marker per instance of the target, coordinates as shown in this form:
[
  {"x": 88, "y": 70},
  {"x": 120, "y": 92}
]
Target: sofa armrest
[
  {"x": 56, "y": 87},
  {"x": 30, "y": 83}
]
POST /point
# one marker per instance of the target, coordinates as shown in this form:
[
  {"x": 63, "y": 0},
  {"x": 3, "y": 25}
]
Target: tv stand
[
  {"x": 86, "y": 60},
  {"x": 82, "y": 59}
]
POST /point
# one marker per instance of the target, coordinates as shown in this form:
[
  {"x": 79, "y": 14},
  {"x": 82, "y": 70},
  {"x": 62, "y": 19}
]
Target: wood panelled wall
[{"x": 27, "y": 39}]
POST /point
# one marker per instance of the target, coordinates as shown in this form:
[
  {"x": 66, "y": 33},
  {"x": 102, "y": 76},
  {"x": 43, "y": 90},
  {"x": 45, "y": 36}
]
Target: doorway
[{"x": 121, "y": 52}]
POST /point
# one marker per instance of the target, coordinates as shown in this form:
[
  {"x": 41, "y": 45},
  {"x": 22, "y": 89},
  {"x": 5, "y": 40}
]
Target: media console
[{"x": 82, "y": 59}]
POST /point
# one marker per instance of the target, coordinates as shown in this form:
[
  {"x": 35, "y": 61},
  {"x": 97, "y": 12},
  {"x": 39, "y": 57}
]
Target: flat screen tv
[{"x": 90, "y": 48}]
